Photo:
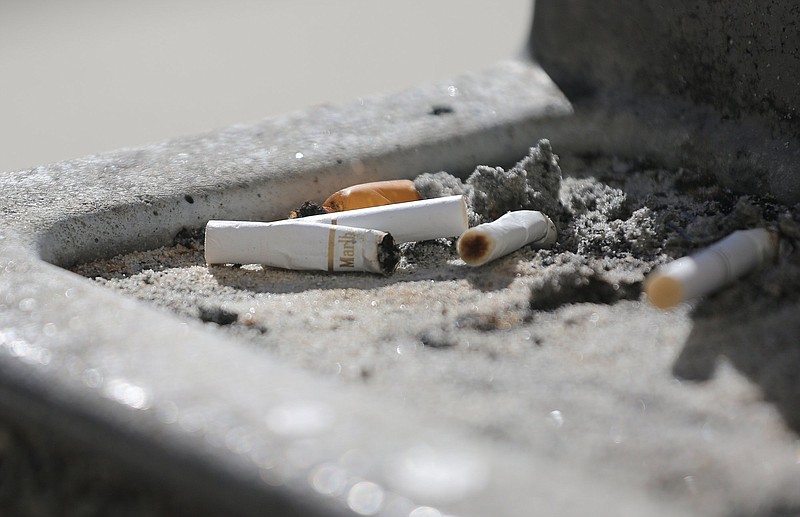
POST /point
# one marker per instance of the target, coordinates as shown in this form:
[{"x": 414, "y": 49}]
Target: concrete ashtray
[{"x": 542, "y": 382}]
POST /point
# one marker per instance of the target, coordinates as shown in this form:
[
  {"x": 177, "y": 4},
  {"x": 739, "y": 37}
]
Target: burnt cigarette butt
[
  {"x": 301, "y": 245},
  {"x": 376, "y": 193},
  {"x": 407, "y": 222},
  {"x": 490, "y": 241},
  {"x": 712, "y": 268},
  {"x": 306, "y": 209}
]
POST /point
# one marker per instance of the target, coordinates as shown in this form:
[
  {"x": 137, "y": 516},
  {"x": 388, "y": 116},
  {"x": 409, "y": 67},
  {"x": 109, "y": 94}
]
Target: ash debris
[
  {"x": 439, "y": 184},
  {"x": 618, "y": 220},
  {"x": 190, "y": 238},
  {"x": 421, "y": 254},
  {"x": 532, "y": 184},
  {"x": 308, "y": 208},
  {"x": 601, "y": 222}
]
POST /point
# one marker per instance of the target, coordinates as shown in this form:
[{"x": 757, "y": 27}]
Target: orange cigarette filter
[{"x": 376, "y": 193}]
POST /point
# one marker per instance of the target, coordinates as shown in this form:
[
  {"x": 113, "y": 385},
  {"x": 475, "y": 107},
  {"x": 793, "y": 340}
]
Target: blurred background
[{"x": 88, "y": 76}]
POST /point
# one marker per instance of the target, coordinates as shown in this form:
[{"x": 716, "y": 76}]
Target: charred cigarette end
[
  {"x": 388, "y": 254},
  {"x": 664, "y": 292},
  {"x": 366, "y": 195},
  {"x": 300, "y": 245},
  {"x": 307, "y": 209},
  {"x": 473, "y": 247}
]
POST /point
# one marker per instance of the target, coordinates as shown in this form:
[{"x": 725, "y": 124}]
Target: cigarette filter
[
  {"x": 376, "y": 193},
  {"x": 407, "y": 222},
  {"x": 489, "y": 241},
  {"x": 711, "y": 268},
  {"x": 300, "y": 245}
]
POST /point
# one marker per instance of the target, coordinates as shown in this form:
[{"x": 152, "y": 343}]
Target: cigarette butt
[
  {"x": 407, "y": 222},
  {"x": 301, "y": 245},
  {"x": 708, "y": 270},
  {"x": 376, "y": 193},
  {"x": 489, "y": 241}
]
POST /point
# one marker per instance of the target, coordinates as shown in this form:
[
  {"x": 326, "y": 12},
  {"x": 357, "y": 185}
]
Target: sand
[{"x": 555, "y": 351}]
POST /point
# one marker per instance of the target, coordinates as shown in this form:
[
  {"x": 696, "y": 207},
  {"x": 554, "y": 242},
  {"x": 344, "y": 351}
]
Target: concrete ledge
[
  {"x": 205, "y": 414},
  {"x": 139, "y": 198},
  {"x": 209, "y": 416}
]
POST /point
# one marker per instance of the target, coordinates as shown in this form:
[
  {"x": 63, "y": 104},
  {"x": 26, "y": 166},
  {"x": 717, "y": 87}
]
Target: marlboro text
[{"x": 300, "y": 245}]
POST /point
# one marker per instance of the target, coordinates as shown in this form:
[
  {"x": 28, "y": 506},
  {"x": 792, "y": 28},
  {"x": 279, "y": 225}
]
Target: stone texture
[
  {"x": 201, "y": 413},
  {"x": 713, "y": 85},
  {"x": 196, "y": 411},
  {"x": 552, "y": 353}
]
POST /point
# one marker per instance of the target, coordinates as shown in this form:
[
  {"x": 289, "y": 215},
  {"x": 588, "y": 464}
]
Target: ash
[
  {"x": 698, "y": 391},
  {"x": 532, "y": 184}
]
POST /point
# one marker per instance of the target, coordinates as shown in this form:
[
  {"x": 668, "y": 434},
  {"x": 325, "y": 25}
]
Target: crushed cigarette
[
  {"x": 489, "y": 241},
  {"x": 301, "y": 245},
  {"x": 376, "y": 193},
  {"x": 711, "y": 268},
  {"x": 407, "y": 222}
]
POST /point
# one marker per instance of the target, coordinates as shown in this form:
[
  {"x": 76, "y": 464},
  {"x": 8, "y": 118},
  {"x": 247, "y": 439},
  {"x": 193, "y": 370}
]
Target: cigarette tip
[
  {"x": 663, "y": 291},
  {"x": 473, "y": 247},
  {"x": 308, "y": 208}
]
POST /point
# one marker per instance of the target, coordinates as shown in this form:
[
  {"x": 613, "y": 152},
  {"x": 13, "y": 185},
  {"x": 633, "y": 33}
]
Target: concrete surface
[
  {"x": 713, "y": 87},
  {"x": 625, "y": 411},
  {"x": 94, "y": 76},
  {"x": 138, "y": 199},
  {"x": 551, "y": 353}
]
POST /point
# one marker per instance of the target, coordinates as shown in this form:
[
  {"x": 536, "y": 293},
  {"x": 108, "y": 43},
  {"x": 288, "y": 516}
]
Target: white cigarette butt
[
  {"x": 407, "y": 222},
  {"x": 489, "y": 241},
  {"x": 300, "y": 245},
  {"x": 711, "y": 268}
]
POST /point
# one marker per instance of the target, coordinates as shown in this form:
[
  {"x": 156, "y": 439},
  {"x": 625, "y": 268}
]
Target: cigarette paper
[
  {"x": 376, "y": 193},
  {"x": 711, "y": 268},
  {"x": 300, "y": 245},
  {"x": 407, "y": 222},
  {"x": 489, "y": 241}
]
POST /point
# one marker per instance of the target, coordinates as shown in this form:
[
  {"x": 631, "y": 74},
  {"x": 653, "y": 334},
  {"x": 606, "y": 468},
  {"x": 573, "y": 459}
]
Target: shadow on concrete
[
  {"x": 755, "y": 326},
  {"x": 278, "y": 281}
]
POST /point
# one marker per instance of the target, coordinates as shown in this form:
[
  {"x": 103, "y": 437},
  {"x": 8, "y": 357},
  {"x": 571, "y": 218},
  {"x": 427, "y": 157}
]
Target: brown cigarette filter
[{"x": 376, "y": 193}]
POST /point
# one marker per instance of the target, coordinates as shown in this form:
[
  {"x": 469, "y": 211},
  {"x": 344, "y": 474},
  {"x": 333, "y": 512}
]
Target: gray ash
[
  {"x": 439, "y": 184},
  {"x": 191, "y": 238},
  {"x": 617, "y": 215},
  {"x": 532, "y": 184}
]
